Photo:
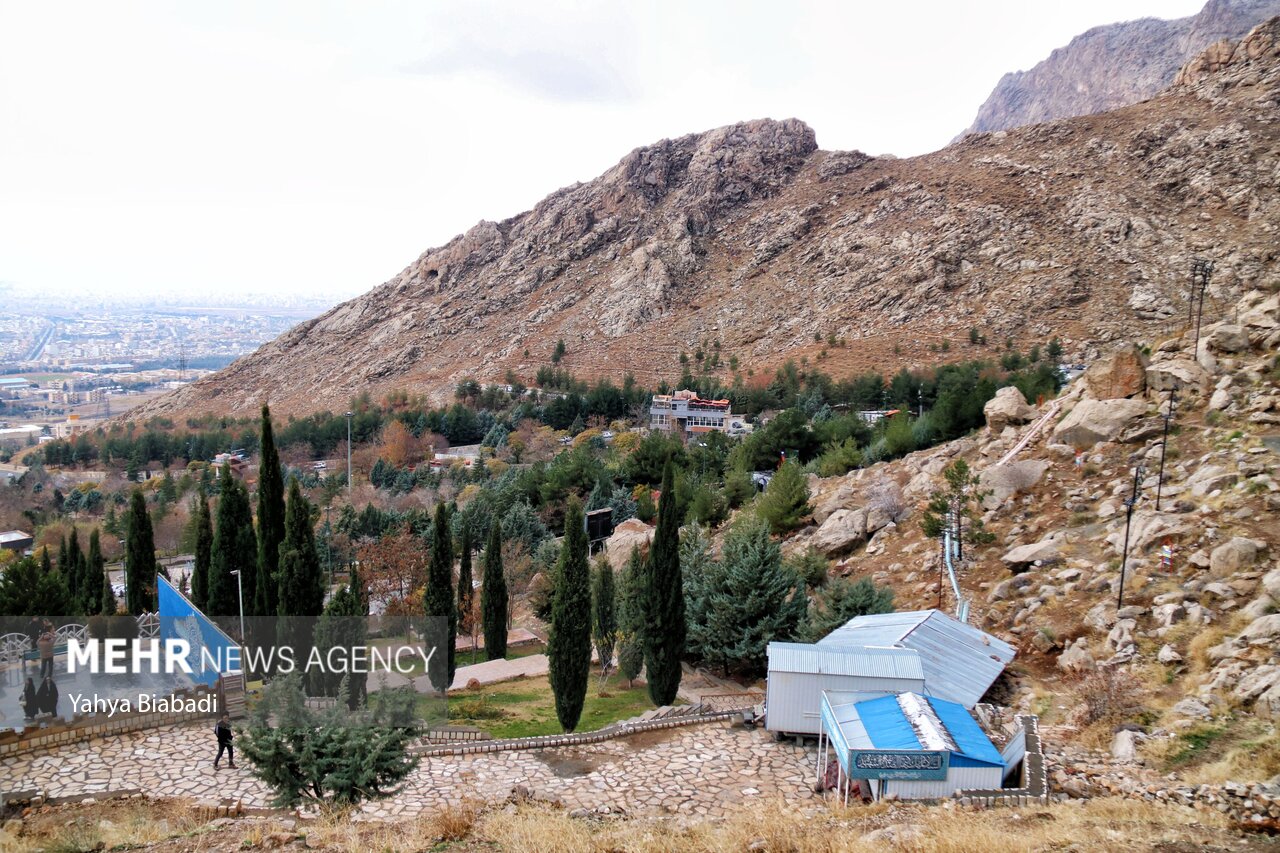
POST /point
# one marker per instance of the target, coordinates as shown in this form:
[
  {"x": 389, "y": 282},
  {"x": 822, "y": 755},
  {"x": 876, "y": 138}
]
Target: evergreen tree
[
  {"x": 493, "y": 597},
  {"x": 604, "y": 621},
  {"x": 109, "y": 604},
  {"x": 301, "y": 586},
  {"x": 745, "y": 601},
  {"x": 631, "y": 618},
  {"x": 569, "y": 644},
  {"x": 95, "y": 576},
  {"x": 786, "y": 499},
  {"x": 45, "y": 566},
  {"x": 843, "y": 599},
  {"x": 75, "y": 567},
  {"x": 466, "y": 591},
  {"x": 1054, "y": 351},
  {"x": 235, "y": 548},
  {"x": 27, "y": 589},
  {"x": 437, "y": 601},
  {"x": 266, "y": 596},
  {"x": 203, "y": 552},
  {"x": 64, "y": 556},
  {"x": 957, "y": 509},
  {"x": 665, "y": 629},
  {"x": 342, "y": 625},
  {"x": 140, "y": 558}
]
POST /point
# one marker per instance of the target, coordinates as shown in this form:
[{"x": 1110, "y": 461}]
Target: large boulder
[
  {"x": 1122, "y": 373},
  {"x": 1229, "y": 338},
  {"x": 1043, "y": 553},
  {"x": 1210, "y": 478},
  {"x": 843, "y": 497},
  {"x": 1233, "y": 555},
  {"x": 1076, "y": 657},
  {"x": 1007, "y": 408},
  {"x": 1261, "y": 632},
  {"x": 842, "y": 531},
  {"x": 629, "y": 534},
  {"x": 1179, "y": 373},
  {"x": 1148, "y": 528},
  {"x": 1092, "y": 421},
  {"x": 1005, "y": 481}
]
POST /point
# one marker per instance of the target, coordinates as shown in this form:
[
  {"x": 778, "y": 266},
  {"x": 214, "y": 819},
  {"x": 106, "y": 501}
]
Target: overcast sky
[{"x": 319, "y": 147}]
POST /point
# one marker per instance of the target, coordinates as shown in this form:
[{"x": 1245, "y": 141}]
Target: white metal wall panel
[{"x": 793, "y": 699}]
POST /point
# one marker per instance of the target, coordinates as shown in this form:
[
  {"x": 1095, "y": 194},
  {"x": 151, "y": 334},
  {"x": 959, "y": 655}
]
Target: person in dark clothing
[
  {"x": 34, "y": 629},
  {"x": 47, "y": 697},
  {"x": 223, "y": 731},
  {"x": 30, "y": 704}
]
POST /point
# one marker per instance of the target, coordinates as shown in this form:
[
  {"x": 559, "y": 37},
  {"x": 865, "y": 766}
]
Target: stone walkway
[{"x": 709, "y": 769}]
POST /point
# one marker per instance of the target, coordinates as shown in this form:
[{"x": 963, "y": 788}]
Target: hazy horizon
[{"x": 294, "y": 149}]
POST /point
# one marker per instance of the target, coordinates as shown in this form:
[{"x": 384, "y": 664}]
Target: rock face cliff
[
  {"x": 751, "y": 237},
  {"x": 1114, "y": 65}
]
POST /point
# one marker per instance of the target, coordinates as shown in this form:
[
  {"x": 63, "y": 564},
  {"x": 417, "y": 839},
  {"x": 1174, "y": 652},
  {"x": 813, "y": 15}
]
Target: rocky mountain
[
  {"x": 753, "y": 237},
  {"x": 1114, "y": 65}
]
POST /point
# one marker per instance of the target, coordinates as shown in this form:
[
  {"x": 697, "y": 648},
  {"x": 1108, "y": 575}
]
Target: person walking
[
  {"x": 30, "y": 705},
  {"x": 34, "y": 629},
  {"x": 45, "y": 645},
  {"x": 224, "y": 734}
]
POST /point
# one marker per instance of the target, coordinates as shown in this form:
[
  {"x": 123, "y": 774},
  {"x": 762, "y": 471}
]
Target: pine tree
[
  {"x": 466, "y": 591},
  {"x": 64, "y": 555},
  {"x": 957, "y": 509},
  {"x": 28, "y": 590},
  {"x": 493, "y": 597},
  {"x": 630, "y": 607},
  {"x": 843, "y": 599},
  {"x": 342, "y": 625},
  {"x": 266, "y": 597},
  {"x": 786, "y": 499},
  {"x": 140, "y": 558},
  {"x": 45, "y": 566},
  {"x": 437, "y": 601},
  {"x": 569, "y": 644},
  {"x": 95, "y": 576},
  {"x": 203, "y": 552},
  {"x": 604, "y": 621},
  {"x": 235, "y": 548},
  {"x": 664, "y": 599},
  {"x": 109, "y": 604},
  {"x": 745, "y": 601}
]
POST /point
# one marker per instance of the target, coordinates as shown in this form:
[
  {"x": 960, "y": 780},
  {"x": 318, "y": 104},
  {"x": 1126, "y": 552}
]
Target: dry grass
[
  {"x": 1096, "y": 825},
  {"x": 115, "y": 824}
]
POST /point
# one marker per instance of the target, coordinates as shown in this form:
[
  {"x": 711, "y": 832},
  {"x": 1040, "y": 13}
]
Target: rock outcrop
[{"x": 1119, "y": 64}]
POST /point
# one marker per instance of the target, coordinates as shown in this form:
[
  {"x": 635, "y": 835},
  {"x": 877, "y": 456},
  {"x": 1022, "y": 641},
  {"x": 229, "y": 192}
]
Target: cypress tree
[
  {"x": 664, "y": 599},
  {"x": 204, "y": 553},
  {"x": 493, "y": 597},
  {"x": 45, "y": 566},
  {"x": 109, "y": 604},
  {"x": 140, "y": 558},
  {"x": 342, "y": 625},
  {"x": 569, "y": 645},
  {"x": 234, "y": 547},
  {"x": 266, "y": 596},
  {"x": 437, "y": 601},
  {"x": 604, "y": 617},
  {"x": 631, "y": 618},
  {"x": 64, "y": 556},
  {"x": 95, "y": 576},
  {"x": 466, "y": 592},
  {"x": 73, "y": 570},
  {"x": 301, "y": 592}
]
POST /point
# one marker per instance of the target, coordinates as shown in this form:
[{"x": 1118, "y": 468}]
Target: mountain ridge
[{"x": 752, "y": 237}]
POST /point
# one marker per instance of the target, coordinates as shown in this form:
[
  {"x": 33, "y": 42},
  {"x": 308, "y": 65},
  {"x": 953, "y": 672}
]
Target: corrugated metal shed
[
  {"x": 800, "y": 672},
  {"x": 960, "y": 661}
]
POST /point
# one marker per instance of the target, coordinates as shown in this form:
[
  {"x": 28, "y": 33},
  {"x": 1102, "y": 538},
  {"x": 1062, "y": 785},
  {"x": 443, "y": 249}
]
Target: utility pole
[
  {"x": 349, "y": 415},
  {"x": 1164, "y": 444},
  {"x": 1128, "y": 523}
]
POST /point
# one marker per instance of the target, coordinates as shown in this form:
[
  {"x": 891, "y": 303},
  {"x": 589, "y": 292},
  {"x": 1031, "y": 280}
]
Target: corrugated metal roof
[
  {"x": 842, "y": 660},
  {"x": 960, "y": 661},
  {"x": 884, "y": 723}
]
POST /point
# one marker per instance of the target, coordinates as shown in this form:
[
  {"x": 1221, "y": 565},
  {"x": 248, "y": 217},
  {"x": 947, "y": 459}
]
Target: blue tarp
[
  {"x": 179, "y": 619},
  {"x": 888, "y": 728}
]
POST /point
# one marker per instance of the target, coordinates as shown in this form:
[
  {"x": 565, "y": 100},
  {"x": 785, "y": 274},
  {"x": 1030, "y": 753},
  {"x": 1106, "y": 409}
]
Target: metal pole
[
  {"x": 1206, "y": 270},
  {"x": 349, "y": 414},
  {"x": 1128, "y": 521},
  {"x": 1164, "y": 444}
]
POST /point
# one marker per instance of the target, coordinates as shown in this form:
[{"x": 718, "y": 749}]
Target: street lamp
[
  {"x": 349, "y": 415},
  {"x": 240, "y": 589}
]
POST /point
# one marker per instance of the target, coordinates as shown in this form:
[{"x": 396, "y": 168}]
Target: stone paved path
[{"x": 708, "y": 769}]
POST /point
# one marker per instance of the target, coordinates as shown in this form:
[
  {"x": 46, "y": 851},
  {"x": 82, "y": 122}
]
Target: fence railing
[{"x": 15, "y": 645}]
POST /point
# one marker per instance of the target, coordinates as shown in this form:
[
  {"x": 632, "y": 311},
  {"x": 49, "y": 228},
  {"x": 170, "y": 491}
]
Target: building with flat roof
[
  {"x": 688, "y": 415},
  {"x": 16, "y": 540}
]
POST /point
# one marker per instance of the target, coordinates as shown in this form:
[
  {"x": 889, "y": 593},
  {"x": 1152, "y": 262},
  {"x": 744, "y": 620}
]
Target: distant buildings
[
  {"x": 16, "y": 540},
  {"x": 688, "y": 415}
]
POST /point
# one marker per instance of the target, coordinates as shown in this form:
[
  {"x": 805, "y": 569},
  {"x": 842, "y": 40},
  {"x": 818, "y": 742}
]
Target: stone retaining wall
[
  {"x": 552, "y": 741},
  {"x": 1034, "y": 787},
  {"x": 86, "y": 727}
]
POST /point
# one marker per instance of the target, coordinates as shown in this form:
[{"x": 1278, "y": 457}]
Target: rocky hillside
[
  {"x": 753, "y": 237},
  {"x": 1187, "y": 671},
  {"x": 1115, "y": 65}
]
